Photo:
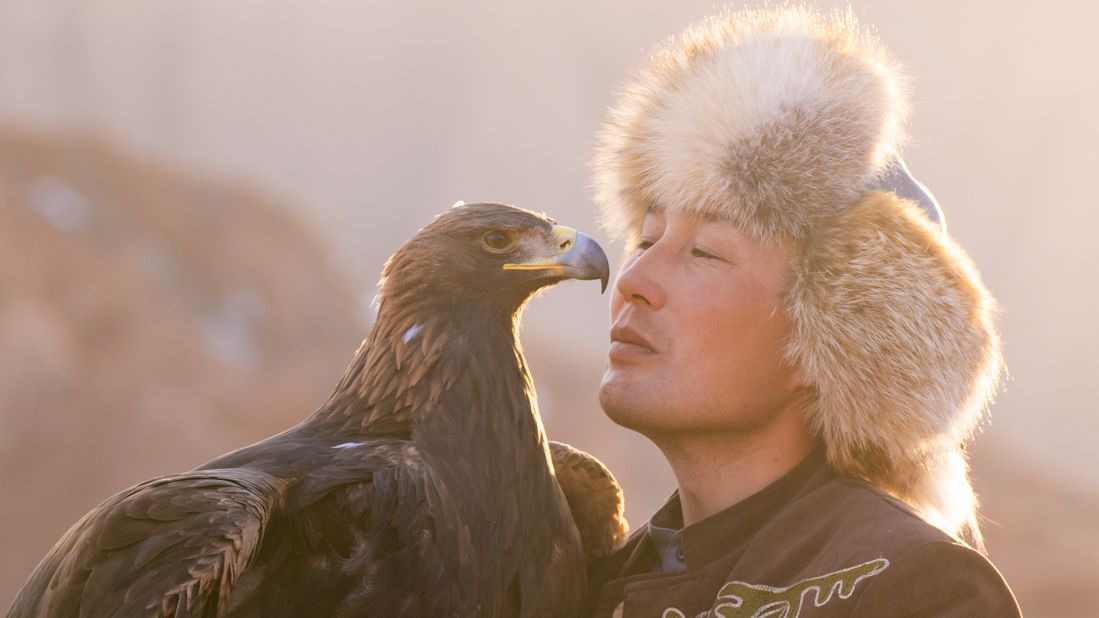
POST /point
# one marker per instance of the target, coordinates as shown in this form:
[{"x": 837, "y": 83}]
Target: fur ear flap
[{"x": 895, "y": 330}]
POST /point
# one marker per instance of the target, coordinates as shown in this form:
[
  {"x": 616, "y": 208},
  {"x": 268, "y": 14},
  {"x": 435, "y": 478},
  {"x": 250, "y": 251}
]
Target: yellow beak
[{"x": 578, "y": 256}]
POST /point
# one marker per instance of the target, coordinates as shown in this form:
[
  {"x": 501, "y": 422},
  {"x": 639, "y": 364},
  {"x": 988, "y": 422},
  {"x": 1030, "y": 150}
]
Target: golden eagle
[{"x": 424, "y": 486}]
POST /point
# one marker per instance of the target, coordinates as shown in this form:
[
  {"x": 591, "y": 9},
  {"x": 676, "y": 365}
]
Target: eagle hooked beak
[{"x": 578, "y": 256}]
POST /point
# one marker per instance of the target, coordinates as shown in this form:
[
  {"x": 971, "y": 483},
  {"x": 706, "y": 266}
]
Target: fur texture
[
  {"x": 780, "y": 120},
  {"x": 894, "y": 328},
  {"x": 771, "y": 118}
]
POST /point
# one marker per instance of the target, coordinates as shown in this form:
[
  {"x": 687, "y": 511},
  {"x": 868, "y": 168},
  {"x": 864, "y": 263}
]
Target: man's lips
[{"x": 625, "y": 341}]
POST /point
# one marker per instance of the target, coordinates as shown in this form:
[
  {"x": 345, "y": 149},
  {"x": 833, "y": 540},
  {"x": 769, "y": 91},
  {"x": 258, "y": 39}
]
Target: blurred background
[{"x": 196, "y": 199}]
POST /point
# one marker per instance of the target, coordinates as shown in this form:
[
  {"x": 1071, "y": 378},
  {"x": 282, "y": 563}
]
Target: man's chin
[{"x": 621, "y": 401}]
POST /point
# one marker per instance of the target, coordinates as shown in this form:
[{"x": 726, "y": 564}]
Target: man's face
[{"x": 697, "y": 330}]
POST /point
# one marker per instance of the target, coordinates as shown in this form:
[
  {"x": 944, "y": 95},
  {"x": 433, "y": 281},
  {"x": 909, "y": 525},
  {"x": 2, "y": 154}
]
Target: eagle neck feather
[{"x": 461, "y": 390}]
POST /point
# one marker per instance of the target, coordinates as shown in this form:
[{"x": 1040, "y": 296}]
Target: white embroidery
[{"x": 738, "y": 599}]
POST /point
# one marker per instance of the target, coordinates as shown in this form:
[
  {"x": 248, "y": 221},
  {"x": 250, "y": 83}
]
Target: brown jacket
[{"x": 812, "y": 544}]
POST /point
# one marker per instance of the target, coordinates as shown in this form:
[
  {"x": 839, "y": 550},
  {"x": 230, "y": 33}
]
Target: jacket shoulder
[
  {"x": 926, "y": 571},
  {"x": 849, "y": 509},
  {"x": 938, "y": 578}
]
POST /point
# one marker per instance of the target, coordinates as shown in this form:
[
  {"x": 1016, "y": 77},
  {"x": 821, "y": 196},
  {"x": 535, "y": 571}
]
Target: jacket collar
[{"x": 705, "y": 541}]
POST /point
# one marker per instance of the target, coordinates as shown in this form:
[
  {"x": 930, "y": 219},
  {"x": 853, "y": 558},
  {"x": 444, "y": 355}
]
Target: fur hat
[{"x": 785, "y": 121}]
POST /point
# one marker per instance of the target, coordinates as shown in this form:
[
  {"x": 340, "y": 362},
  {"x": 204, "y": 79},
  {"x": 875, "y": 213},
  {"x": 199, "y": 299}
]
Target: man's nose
[{"x": 640, "y": 280}]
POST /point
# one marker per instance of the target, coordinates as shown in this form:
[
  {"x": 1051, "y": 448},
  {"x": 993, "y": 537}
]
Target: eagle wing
[
  {"x": 173, "y": 546},
  {"x": 594, "y": 497}
]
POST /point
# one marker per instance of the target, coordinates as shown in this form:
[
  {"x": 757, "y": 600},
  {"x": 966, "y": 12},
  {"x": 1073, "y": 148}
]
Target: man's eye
[{"x": 706, "y": 255}]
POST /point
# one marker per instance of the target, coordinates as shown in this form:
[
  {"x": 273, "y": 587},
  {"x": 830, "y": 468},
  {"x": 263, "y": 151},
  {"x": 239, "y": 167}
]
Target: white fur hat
[{"x": 785, "y": 121}]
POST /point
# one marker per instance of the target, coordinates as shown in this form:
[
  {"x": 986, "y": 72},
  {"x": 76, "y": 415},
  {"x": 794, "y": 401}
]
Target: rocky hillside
[{"x": 148, "y": 321}]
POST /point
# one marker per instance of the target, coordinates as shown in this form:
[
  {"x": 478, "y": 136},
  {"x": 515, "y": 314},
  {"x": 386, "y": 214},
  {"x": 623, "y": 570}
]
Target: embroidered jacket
[{"x": 812, "y": 544}]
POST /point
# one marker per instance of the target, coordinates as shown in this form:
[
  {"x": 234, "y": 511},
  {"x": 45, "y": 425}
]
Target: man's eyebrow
[
  {"x": 711, "y": 217},
  {"x": 705, "y": 216}
]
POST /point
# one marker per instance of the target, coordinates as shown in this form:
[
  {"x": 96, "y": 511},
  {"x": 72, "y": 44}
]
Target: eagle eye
[{"x": 497, "y": 240}]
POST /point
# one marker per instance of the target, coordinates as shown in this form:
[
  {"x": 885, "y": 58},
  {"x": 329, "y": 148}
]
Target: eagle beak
[{"x": 577, "y": 256}]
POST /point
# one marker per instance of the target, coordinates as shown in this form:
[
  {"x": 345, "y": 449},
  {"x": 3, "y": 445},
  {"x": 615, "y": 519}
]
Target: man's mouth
[{"x": 625, "y": 342}]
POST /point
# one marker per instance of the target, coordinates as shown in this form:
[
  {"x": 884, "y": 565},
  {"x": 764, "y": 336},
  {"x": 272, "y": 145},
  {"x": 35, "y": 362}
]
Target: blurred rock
[
  {"x": 1040, "y": 531},
  {"x": 148, "y": 322}
]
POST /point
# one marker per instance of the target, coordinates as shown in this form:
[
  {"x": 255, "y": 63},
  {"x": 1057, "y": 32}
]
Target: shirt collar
[{"x": 666, "y": 534}]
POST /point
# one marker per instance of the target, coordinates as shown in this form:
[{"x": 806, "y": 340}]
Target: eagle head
[{"x": 488, "y": 257}]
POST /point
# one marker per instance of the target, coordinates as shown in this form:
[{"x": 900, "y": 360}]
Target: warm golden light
[{"x": 196, "y": 200}]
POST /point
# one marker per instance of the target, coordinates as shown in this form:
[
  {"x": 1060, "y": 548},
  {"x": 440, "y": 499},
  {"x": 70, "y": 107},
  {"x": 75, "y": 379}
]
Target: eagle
[{"x": 424, "y": 485}]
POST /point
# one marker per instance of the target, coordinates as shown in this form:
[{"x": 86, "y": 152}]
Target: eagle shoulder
[{"x": 594, "y": 497}]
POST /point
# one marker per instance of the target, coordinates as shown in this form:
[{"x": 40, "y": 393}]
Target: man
[{"x": 807, "y": 347}]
